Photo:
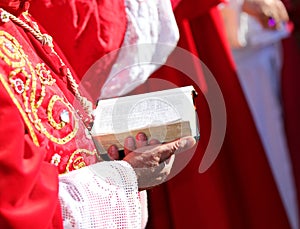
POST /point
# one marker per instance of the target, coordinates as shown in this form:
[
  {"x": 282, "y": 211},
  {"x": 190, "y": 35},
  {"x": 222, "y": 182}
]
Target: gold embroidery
[
  {"x": 44, "y": 74},
  {"x": 51, "y": 120},
  {"x": 78, "y": 162},
  {"x": 13, "y": 54},
  {"x": 60, "y": 141},
  {"x": 9, "y": 46},
  {"x": 17, "y": 71},
  {"x": 23, "y": 114}
]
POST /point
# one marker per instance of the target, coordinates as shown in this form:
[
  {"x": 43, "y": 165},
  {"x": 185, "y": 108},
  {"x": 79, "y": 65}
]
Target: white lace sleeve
[{"x": 104, "y": 195}]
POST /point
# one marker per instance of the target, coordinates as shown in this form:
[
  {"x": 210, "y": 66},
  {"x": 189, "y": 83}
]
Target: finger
[
  {"x": 282, "y": 12},
  {"x": 276, "y": 16},
  {"x": 113, "y": 152},
  {"x": 141, "y": 140},
  {"x": 273, "y": 22},
  {"x": 154, "y": 141},
  {"x": 129, "y": 145},
  {"x": 177, "y": 146},
  {"x": 268, "y": 18}
]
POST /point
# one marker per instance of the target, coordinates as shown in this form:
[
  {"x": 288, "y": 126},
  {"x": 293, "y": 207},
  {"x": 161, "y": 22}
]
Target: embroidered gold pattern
[
  {"x": 29, "y": 85},
  {"x": 44, "y": 74},
  {"x": 51, "y": 120},
  {"x": 46, "y": 40},
  {"x": 18, "y": 105},
  {"x": 78, "y": 162},
  {"x": 45, "y": 79},
  {"x": 8, "y": 52},
  {"x": 11, "y": 52}
]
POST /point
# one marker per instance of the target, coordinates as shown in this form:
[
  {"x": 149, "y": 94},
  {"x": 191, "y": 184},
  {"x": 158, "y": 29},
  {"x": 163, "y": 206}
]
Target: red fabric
[
  {"x": 86, "y": 30},
  {"x": 28, "y": 197},
  {"x": 238, "y": 191},
  {"x": 28, "y": 182},
  {"x": 290, "y": 89},
  {"x": 191, "y": 8},
  {"x": 291, "y": 102},
  {"x": 16, "y": 6}
]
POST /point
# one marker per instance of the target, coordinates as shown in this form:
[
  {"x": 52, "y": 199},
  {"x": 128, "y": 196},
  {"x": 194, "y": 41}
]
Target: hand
[
  {"x": 151, "y": 160},
  {"x": 270, "y": 13}
]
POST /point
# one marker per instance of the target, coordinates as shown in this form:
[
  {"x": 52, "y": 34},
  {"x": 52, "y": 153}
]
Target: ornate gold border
[{"x": 22, "y": 112}]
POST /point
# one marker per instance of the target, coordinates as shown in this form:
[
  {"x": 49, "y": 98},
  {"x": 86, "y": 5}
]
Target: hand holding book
[{"x": 152, "y": 161}]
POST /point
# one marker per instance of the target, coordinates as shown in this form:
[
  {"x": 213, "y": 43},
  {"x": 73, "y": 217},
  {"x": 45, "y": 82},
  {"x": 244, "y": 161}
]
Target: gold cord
[{"x": 46, "y": 39}]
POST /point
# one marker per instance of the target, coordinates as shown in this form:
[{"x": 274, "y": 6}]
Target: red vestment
[
  {"x": 41, "y": 134},
  {"x": 238, "y": 190},
  {"x": 290, "y": 89}
]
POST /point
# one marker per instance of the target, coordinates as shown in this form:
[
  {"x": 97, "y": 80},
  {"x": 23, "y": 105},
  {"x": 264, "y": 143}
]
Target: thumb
[
  {"x": 177, "y": 146},
  {"x": 185, "y": 143}
]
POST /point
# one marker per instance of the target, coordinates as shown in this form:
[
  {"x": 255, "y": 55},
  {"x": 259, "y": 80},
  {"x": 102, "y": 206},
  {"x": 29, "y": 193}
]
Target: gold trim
[
  {"x": 22, "y": 112},
  {"x": 70, "y": 161},
  {"x": 51, "y": 120},
  {"x": 58, "y": 126},
  {"x": 16, "y": 61}
]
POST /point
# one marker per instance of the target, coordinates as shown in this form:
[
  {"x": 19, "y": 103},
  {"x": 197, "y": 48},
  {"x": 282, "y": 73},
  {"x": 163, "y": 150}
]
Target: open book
[{"x": 165, "y": 115}]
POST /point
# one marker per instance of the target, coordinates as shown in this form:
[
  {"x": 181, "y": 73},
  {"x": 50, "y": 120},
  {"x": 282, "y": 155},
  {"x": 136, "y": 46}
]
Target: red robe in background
[
  {"x": 86, "y": 31},
  {"x": 291, "y": 87},
  {"x": 238, "y": 190}
]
